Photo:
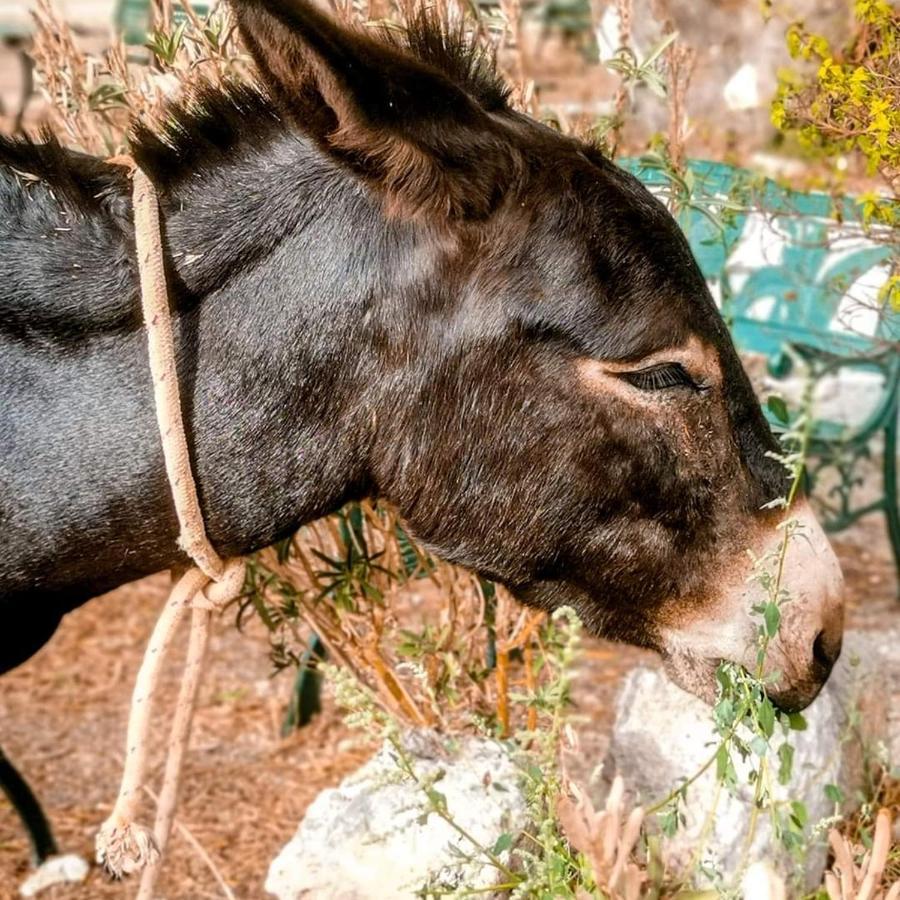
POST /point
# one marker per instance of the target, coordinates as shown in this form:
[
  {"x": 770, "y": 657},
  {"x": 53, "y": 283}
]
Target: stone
[
  {"x": 663, "y": 735},
  {"x": 762, "y": 882},
  {"x": 741, "y": 91},
  {"x": 370, "y": 838}
]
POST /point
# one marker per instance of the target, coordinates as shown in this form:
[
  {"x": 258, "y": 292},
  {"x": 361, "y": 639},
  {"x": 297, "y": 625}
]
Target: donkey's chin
[
  {"x": 797, "y": 697},
  {"x": 694, "y": 674},
  {"x": 697, "y": 676}
]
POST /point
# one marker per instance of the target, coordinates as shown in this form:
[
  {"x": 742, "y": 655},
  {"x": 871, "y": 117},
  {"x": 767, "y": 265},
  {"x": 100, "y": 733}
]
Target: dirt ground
[
  {"x": 62, "y": 720},
  {"x": 63, "y": 717}
]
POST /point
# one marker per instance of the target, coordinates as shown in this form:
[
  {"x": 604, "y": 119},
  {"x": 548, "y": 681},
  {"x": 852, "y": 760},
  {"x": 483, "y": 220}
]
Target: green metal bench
[
  {"x": 133, "y": 18},
  {"x": 807, "y": 293}
]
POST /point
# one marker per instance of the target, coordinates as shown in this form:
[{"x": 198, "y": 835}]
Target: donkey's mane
[
  {"x": 210, "y": 120},
  {"x": 451, "y": 50},
  {"x": 202, "y": 127},
  {"x": 80, "y": 182}
]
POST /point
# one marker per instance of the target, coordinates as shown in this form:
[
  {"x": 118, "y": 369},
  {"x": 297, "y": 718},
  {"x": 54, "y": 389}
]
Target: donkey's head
[{"x": 558, "y": 403}]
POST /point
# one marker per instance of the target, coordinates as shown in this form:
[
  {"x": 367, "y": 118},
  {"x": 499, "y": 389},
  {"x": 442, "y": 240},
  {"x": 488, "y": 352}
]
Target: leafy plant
[
  {"x": 850, "y": 104},
  {"x": 166, "y": 45}
]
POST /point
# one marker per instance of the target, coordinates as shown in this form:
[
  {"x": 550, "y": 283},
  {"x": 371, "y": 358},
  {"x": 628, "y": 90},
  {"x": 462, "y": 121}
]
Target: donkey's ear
[{"x": 400, "y": 122}]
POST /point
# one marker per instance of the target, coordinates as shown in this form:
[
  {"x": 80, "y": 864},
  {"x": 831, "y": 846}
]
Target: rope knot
[
  {"x": 216, "y": 595},
  {"x": 194, "y": 542}
]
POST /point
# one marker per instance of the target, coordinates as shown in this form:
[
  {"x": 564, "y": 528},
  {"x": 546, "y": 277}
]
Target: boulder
[
  {"x": 663, "y": 735},
  {"x": 373, "y": 837}
]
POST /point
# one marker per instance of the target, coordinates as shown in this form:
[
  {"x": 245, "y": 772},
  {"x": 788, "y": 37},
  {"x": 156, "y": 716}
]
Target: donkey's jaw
[
  {"x": 694, "y": 674},
  {"x": 799, "y": 658}
]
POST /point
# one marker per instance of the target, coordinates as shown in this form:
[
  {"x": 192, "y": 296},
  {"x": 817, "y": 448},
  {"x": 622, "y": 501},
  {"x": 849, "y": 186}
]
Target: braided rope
[
  {"x": 161, "y": 348},
  {"x": 123, "y": 845}
]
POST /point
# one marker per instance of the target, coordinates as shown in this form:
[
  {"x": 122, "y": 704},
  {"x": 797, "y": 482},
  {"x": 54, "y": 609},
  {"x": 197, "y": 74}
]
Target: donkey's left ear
[{"x": 401, "y": 123}]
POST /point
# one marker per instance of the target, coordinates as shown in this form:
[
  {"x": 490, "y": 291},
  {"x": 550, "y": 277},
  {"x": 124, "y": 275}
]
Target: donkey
[{"x": 387, "y": 282}]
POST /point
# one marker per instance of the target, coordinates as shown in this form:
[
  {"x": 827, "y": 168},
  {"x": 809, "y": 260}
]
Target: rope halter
[{"x": 123, "y": 845}]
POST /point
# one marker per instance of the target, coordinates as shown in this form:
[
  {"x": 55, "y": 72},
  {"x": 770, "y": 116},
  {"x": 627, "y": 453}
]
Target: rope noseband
[{"x": 123, "y": 845}]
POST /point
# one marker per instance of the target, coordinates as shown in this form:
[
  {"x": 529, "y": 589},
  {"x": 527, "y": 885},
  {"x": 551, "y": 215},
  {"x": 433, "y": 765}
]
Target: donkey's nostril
[{"x": 825, "y": 652}]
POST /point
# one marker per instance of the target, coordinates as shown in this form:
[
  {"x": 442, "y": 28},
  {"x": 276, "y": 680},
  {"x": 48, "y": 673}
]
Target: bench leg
[
  {"x": 891, "y": 508},
  {"x": 306, "y": 699}
]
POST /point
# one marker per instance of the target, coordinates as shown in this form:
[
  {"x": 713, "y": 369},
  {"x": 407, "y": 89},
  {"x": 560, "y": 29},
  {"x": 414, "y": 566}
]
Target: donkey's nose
[
  {"x": 825, "y": 651},
  {"x": 828, "y": 632},
  {"x": 816, "y": 620},
  {"x": 807, "y": 672}
]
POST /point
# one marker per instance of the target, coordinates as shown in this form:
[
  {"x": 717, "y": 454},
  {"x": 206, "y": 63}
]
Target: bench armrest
[
  {"x": 886, "y": 361},
  {"x": 825, "y": 361}
]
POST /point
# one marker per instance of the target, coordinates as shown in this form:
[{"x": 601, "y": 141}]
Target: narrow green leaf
[
  {"x": 767, "y": 717},
  {"x": 722, "y": 760},
  {"x": 785, "y": 763},
  {"x": 799, "y": 815},
  {"x": 772, "y": 617},
  {"x": 504, "y": 842},
  {"x": 778, "y": 408},
  {"x": 660, "y": 48}
]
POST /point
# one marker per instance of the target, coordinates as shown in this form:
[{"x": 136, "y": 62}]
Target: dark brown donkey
[{"x": 388, "y": 283}]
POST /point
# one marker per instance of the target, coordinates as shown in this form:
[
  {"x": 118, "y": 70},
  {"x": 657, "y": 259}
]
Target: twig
[{"x": 207, "y": 860}]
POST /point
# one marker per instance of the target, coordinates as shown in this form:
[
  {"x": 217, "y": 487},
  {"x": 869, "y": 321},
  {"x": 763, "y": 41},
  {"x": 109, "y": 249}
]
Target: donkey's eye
[{"x": 660, "y": 377}]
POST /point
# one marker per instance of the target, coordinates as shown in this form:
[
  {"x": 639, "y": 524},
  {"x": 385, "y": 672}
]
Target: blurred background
[{"x": 772, "y": 131}]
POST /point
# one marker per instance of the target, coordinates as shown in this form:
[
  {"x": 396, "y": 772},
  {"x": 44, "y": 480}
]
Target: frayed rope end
[{"x": 124, "y": 848}]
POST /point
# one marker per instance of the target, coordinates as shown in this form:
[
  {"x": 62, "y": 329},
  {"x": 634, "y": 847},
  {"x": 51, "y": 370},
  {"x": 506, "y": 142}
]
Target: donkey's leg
[
  {"x": 26, "y": 628},
  {"x": 26, "y": 805}
]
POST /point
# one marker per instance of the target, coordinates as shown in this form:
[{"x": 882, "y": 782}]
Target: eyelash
[{"x": 661, "y": 377}]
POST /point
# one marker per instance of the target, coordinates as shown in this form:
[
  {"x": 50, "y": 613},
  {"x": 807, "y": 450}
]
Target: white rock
[
  {"x": 68, "y": 869},
  {"x": 368, "y": 838},
  {"x": 741, "y": 91},
  {"x": 663, "y": 735},
  {"x": 762, "y": 882}
]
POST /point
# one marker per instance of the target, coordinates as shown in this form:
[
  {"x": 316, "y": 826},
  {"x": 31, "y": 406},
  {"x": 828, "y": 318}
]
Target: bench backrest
[
  {"x": 784, "y": 265},
  {"x": 132, "y": 17}
]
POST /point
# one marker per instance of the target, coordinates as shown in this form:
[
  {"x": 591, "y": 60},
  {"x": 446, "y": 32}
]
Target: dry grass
[
  {"x": 245, "y": 787},
  {"x": 857, "y": 833},
  {"x": 93, "y": 98},
  {"x": 858, "y": 873},
  {"x": 425, "y": 662}
]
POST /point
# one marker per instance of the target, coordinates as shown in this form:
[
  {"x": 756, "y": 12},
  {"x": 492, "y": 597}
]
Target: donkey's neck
[
  {"x": 223, "y": 219},
  {"x": 279, "y": 258},
  {"x": 285, "y": 272}
]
